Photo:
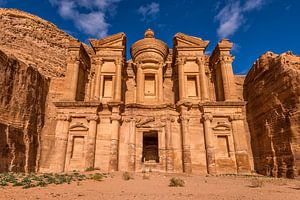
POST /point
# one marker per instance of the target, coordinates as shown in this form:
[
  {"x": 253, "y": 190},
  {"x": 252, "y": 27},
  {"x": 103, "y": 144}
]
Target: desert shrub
[
  {"x": 97, "y": 177},
  {"x": 3, "y": 183},
  {"x": 127, "y": 176},
  {"x": 176, "y": 182},
  {"x": 89, "y": 169},
  {"x": 256, "y": 182}
]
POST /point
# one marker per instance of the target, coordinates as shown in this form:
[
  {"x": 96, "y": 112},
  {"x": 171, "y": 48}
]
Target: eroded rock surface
[
  {"x": 272, "y": 89},
  {"x": 34, "y": 41},
  {"x": 22, "y": 108}
]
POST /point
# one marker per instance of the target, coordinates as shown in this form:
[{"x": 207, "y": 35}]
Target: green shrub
[
  {"x": 176, "y": 182},
  {"x": 97, "y": 177}
]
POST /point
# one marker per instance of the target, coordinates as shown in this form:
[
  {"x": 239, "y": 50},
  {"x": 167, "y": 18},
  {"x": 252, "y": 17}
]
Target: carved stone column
[
  {"x": 61, "y": 140},
  {"x": 73, "y": 73},
  {"x": 203, "y": 79},
  {"x": 181, "y": 82},
  {"x": 169, "y": 146},
  {"x": 114, "y": 145},
  {"x": 160, "y": 84},
  {"x": 228, "y": 78},
  {"x": 240, "y": 143},
  {"x": 209, "y": 144},
  {"x": 140, "y": 84},
  {"x": 118, "y": 85},
  {"x": 91, "y": 138},
  {"x": 131, "y": 145},
  {"x": 184, "y": 119},
  {"x": 98, "y": 79}
]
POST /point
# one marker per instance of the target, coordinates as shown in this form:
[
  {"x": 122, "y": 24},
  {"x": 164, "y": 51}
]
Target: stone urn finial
[{"x": 149, "y": 33}]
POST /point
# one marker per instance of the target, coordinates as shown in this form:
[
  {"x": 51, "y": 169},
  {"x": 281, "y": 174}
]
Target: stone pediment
[
  {"x": 183, "y": 40},
  {"x": 78, "y": 127},
  {"x": 222, "y": 127},
  {"x": 149, "y": 122},
  {"x": 118, "y": 40}
]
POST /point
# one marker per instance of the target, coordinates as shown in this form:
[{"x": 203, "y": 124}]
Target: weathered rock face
[
  {"x": 22, "y": 107},
  {"x": 272, "y": 89},
  {"x": 34, "y": 41}
]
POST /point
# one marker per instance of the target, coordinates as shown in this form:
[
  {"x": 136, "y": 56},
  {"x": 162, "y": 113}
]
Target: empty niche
[
  {"x": 223, "y": 146},
  {"x": 107, "y": 86},
  {"x": 192, "y": 86},
  {"x": 149, "y": 85},
  {"x": 78, "y": 147}
]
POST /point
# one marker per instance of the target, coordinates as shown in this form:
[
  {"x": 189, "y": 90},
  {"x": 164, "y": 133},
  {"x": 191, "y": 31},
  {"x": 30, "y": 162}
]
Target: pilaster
[
  {"x": 203, "y": 79},
  {"x": 61, "y": 140},
  {"x": 91, "y": 138},
  {"x": 115, "y": 129},
  {"x": 209, "y": 143},
  {"x": 240, "y": 143}
]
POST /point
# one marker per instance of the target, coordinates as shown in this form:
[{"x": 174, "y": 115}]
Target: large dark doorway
[{"x": 150, "y": 146}]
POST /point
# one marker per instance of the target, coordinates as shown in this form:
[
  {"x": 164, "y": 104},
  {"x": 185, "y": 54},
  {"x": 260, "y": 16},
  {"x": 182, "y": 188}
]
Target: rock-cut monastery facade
[{"x": 167, "y": 110}]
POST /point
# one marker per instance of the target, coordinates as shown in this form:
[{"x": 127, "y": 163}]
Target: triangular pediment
[
  {"x": 117, "y": 40},
  {"x": 183, "y": 40}
]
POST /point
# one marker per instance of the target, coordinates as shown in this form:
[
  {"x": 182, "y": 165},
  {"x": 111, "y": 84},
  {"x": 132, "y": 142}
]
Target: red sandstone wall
[
  {"x": 272, "y": 89},
  {"x": 22, "y": 107}
]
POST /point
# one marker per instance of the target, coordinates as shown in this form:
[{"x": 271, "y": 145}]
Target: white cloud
[
  {"x": 89, "y": 16},
  {"x": 232, "y": 16},
  {"x": 149, "y": 11}
]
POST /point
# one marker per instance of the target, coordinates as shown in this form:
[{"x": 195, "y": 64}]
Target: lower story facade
[{"x": 208, "y": 138}]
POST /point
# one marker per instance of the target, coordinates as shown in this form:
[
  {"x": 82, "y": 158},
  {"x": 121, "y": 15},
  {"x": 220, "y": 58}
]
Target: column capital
[
  {"x": 119, "y": 61},
  {"x": 236, "y": 117},
  {"x": 200, "y": 60},
  {"x": 227, "y": 59},
  {"x": 184, "y": 118},
  {"x": 116, "y": 117},
  {"x": 207, "y": 116},
  {"x": 93, "y": 118},
  {"x": 180, "y": 60},
  {"x": 63, "y": 117}
]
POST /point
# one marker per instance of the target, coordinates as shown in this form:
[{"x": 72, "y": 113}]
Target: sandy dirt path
[{"x": 156, "y": 188}]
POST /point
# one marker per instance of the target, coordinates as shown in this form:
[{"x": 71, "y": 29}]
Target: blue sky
[{"x": 255, "y": 26}]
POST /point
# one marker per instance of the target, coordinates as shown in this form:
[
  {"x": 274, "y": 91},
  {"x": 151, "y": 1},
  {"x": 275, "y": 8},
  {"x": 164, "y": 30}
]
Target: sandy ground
[{"x": 156, "y": 188}]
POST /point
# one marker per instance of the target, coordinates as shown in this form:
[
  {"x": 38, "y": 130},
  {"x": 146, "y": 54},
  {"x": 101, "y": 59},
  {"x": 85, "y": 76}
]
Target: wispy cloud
[
  {"x": 232, "y": 16},
  {"x": 149, "y": 12},
  {"x": 89, "y": 16}
]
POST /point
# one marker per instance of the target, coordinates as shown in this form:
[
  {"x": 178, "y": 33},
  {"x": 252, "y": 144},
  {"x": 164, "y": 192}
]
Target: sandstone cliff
[
  {"x": 34, "y": 41},
  {"x": 22, "y": 108},
  {"x": 272, "y": 89},
  {"x": 39, "y": 51}
]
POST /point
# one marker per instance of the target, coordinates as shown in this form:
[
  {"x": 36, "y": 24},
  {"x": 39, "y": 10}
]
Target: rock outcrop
[
  {"x": 272, "y": 89},
  {"x": 22, "y": 109},
  {"x": 34, "y": 41},
  {"x": 33, "y": 54}
]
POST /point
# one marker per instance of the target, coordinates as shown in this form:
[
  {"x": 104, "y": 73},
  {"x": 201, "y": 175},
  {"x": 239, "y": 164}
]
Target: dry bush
[
  {"x": 256, "y": 183},
  {"x": 127, "y": 176},
  {"x": 176, "y": 182}
]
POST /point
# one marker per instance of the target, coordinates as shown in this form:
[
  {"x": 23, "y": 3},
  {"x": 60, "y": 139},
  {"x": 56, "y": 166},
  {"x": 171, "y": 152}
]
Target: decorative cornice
[
  {"x": 63, "y": 117},
  {"x": 236, "y": 117},
  {"x": 92, "y": 117}
]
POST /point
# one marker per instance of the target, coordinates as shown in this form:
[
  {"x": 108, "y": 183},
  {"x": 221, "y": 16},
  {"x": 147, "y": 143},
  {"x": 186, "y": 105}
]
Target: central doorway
[{"x": 150, "y": 147}]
